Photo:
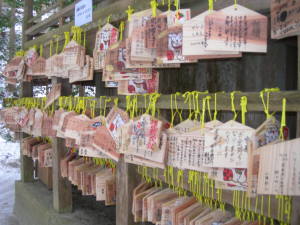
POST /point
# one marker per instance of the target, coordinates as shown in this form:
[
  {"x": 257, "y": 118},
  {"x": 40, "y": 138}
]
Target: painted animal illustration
[
  {"x": 105, "y": 39},
  {"x": 238, "y": 176},
  {"x": 175, "y": 46}
]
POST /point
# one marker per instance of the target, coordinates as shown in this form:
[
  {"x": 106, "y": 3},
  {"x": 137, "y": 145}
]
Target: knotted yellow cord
[
  {"x": 51, "y": 47},
  {"x": 235, "y": 4},
  {"x": 210, "y": 5},
  {"x": 57, "y": 44},
  {"x": 108, "y": 19},
  {"x": 232, "y": 96},
  {"x": 121, "y": 30},
  {"x": 129, "y": 12},
  {"x": 208, "y": 98},
  {"x": 153, "y": 5},
  {"x": 20, "y": 53},
  {"x": 188, "y": 99},
  {"x": 67, "y": 39},
  {"x": 283, "y": 118},
  {"x": 41, "y": 50},
  {"x": 244, "y": 102},
  {"x": 266, "y": 106}
]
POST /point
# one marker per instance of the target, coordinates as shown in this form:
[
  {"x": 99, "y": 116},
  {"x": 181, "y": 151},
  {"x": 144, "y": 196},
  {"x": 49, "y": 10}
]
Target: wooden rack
[{"x": 127, "y": 176}]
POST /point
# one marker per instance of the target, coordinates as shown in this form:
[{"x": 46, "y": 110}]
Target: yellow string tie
[
  {"x": 244, "y": 102},
  {"x": 129, "y": 12},
  {"x": 203, "y": 112},
  {"x": 235, "y": 4},
  {"x": 67, "y": 39},
  {"x": 232, "y": 96},
  {"x": 216, "y": 111},
  {"x": 51, "y": 47},
  {"x": 108, "y": 19},
  {"x": 153, "y": 5},
  {"x": 169, "y": 5},
  {"x": 116, "y": 102},
  {"x": 283, "y": 118},
  {"x": 121, "y": 30},
  {"x": 210, "y": 5},
  {"x": 208, "y": 98},
  {"x": 41, "y": 50}
]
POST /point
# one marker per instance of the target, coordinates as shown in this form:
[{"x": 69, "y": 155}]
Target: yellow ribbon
[
  {"x": 169, "y": 5},
  {"x": 232, "y": 96},
  {"x": 20, "y": 53},
  {"x": 108, "y": 19},
  {"x": 129, "y": 12},
  {"x": 121, "y": 30},
  {"x": 235, "y": 4},
  {"x": 67, "y": 39},
  {"x": 244, "y": 102},
  {"x": 283, "y": 118},
  {"x": 153, "y": 5},
  {"x": 266, "y": 105},
  {"x": 210, "y": 5},
  {"x": 41, "y": 50}
]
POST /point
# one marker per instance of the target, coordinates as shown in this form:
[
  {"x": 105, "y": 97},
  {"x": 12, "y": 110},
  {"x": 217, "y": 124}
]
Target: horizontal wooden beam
[
  {"x": 43, "y": 12},
  {"x": 117, "y": 9},
  {"x": 223, "y": 101},
  {"x": 52, "y": 20}
]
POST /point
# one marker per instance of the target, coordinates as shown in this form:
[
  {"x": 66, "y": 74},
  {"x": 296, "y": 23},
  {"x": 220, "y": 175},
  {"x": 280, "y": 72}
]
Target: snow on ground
[{"x": 9, "y": 173}]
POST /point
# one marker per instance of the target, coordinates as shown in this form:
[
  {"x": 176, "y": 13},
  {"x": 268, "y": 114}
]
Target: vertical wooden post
[
  {"x": 28, "y": 14},
  {"x": 61, "y": 4},
  {"x": 296, "y": 200},
  {"x": 27, "y": 166},
  {"x": 62, "y": 187},
  {"x": 127, "y": 180}
]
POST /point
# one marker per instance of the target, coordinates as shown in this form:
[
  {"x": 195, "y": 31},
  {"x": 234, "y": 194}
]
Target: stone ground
[{"x": 9, "y": 173}]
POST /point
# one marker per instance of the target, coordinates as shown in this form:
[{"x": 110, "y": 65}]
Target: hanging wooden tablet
[
  {"x": 154, "y": 26},
  {"x": 110, "y": 198},
  {"x": 279, "y": 171},
  {"x": 63, "y": 120},
  {"x": 215, "y": 217},
  {"x": 105, "y": 37},
  {"x": 13, "y": 64},
  {"x": 186, "y": 149},
  {"x": 195, "y": 40},
  {"x": 141, "y": 161},
  {"x": 53, "y": 95},
  {"x": 236, "y": 28},
  {"x": 285, "y": 18},
  {"x": 82, "y": 74},
  {"x": 111, "y": 84},
  {"x": 153, "y": 64},
  {"x": 38, "y": 123},
  {"x": 104, "y": 142},
  {"x": 114, "y": 120},
  {"x": 49, "y": 67},
  {"x": 132, "y": 87},
  {"x": 48, "y": 158},
  {"x": 31, "y": 56},
  {"x": 226, "y": 146},
  {"x": 38, "y": 67},
  {"x": 47, "y": 127},
  {"x": 74, "y": 126},
  {"x": 155, "y": 205},
  {"x": 185, "y": 212},
  {"x": 74, "y": 55},
  {"x": 59, "y": 70},
  {"x": 20, "y": 75},
  {"x": 169, "y": 46},
  {"x": 267, "y": 133},
  {"x": 56, "y": 118}
]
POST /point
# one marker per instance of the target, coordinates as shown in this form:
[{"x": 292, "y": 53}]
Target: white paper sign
[{"x": 83, "y": 12}]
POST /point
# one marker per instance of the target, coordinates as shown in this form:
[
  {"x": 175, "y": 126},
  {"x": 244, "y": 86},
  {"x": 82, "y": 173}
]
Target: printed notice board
[{"x": 83, "y": 12}]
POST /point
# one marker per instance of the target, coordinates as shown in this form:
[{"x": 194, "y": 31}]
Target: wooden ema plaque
[
  {"x": 226, "y": 146},
  {"x": 195, "y": 40},
  {"x": 267, "y": 133},
  {"x": 236, "y": 29},
  {"x": 139, "y": 86},
  {"x": 53, "y": 95},
  {"x": 285, "y": 18},
  {"x": 279, "y": 171},
  {"x": 115, "y": 62}
]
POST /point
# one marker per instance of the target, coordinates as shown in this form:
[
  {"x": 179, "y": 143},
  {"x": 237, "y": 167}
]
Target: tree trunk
[{"x": 12, "y": 34}]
